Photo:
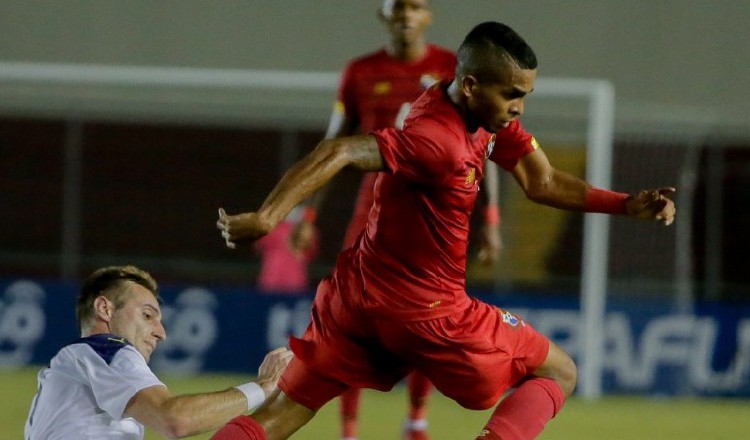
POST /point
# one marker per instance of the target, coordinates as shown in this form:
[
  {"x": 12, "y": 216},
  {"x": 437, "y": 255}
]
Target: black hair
[{"x": 490, "y": 48}]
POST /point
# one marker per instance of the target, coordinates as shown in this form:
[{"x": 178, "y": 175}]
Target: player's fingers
[
  {"x": 222, "y": 214},
  {"x": 666, "y": 190},
  {"x": 667, "y": 215},
  {"x": 278, "y": 350},
  {"x": 285, "y": 359},
  {"x": 657, "y": 206},
  {"x": 222, "y": 222},
  {"x": 671, "y": 213}
]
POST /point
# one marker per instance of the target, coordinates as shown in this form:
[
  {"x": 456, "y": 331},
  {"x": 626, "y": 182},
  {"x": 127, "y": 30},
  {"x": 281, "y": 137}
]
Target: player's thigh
[
  {"x": 308, "y": 388},
  {"x": 341, "y": 345},
  {"x": 474, "y": 355}
]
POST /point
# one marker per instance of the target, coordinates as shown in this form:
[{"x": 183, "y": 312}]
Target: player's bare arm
[
  {"x": 190, "y": 414},
  {"x": 544, "y": 184},
  {"x": 490, "y": 242},
  {"x": 181, "y": 416},
  {"x": 303, "y": 179},
  {"x": 339, "y": 125}
]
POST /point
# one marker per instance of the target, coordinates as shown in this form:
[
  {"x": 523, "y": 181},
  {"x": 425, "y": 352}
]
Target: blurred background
[{"x": 125, "y": 125}]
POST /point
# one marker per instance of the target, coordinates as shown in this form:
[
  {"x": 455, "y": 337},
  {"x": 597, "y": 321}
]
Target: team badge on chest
[{"x": 471, "y": 176}]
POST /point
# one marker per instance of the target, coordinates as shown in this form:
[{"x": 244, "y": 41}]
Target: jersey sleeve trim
[{"x": 105, "y": 345}]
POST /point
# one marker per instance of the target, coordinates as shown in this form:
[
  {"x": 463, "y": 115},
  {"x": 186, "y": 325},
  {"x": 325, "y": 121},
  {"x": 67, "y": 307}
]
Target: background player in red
[
  {"x": 397, "y": 299},
  {"x": 376, "y": 91}
]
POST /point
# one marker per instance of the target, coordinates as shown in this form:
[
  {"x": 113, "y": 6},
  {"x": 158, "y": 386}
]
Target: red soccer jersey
[
  {"x": 414, "y": 250},
  {"x": 373, "y": 88},
  {"x": 373, "y": 92}
]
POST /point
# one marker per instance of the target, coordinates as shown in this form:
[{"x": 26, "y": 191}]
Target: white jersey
[{"x": 83, "y": 393}]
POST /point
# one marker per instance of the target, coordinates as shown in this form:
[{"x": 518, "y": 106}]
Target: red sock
[
  {"x": 523, "y": 414},
  {"x": 349, "y": 407},
  {"x": 241, "y": 428},
  {"x": 420, "y": 388}
]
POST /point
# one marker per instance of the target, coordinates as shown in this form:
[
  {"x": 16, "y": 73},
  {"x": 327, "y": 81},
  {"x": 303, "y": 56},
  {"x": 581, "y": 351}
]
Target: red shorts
[{"x": 472, "y": 356}]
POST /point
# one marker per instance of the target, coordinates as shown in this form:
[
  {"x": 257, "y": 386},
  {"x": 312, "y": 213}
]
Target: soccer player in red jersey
[
  {"x": 397, "y": 300},
  {"x": 376, "y": 91}
]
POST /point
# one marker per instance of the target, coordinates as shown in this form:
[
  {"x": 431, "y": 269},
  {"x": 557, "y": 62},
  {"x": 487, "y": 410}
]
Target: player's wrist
[
  {"x": 492, "y": 215},
  {"x": 309, "y": 214},
  {"x": 254, "y": 394},
  {"x": 605, "y": 201}
]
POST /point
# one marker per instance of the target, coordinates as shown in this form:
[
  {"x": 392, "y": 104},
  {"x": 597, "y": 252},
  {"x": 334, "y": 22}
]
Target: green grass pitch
[{"x": 612, "y": 418}]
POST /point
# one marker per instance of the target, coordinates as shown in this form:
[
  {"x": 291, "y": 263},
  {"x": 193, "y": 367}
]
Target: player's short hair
[
  {"x": 110, "y": 282},
  {"x": 490, "y": 49}
]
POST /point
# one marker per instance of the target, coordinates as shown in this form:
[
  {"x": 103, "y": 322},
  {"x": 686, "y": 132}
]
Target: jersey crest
[
  {"x": 471, "y": 176},
  {"x": 510, "y": 318}
]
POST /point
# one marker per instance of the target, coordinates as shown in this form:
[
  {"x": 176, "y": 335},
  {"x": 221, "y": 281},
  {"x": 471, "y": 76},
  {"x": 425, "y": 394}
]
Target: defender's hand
[
  {"x": 652, "y": 205},
  {"x": 241, "y": 228},
  {"x": 271, "y": 368}
]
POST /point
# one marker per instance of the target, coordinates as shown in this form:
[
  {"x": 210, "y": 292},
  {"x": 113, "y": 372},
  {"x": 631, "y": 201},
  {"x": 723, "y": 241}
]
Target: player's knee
[
  {"x": 560, "y": 367},
  {"x": 567, "y": 375}
]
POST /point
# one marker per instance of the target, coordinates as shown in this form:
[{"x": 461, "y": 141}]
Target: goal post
[
  {"x": 594, "y": 264},
  {"x": 599, "y": 97}
]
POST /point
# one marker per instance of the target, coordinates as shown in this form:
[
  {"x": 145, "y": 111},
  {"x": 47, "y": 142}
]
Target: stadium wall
[
  {"x": 215, "y": 328},
  {"x": 668, "y": 60}
]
